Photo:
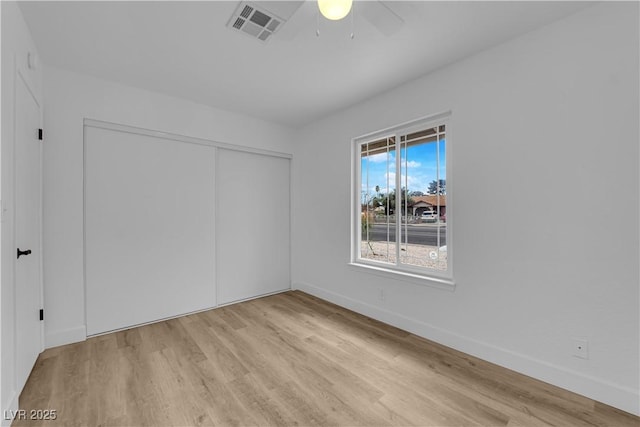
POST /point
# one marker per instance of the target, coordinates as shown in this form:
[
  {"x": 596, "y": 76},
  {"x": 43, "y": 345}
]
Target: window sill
[{"x": 416, "y": 279}]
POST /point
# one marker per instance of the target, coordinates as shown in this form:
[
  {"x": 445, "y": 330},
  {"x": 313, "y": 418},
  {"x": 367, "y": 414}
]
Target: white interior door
[
  {"x": 252, "y": 245},
  {"x": 27, "y": 232},
  {"x": 149, "y": 228}
]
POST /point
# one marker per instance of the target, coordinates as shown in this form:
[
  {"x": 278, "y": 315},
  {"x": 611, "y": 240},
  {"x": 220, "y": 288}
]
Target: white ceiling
[{"x": 186, "y": 50}]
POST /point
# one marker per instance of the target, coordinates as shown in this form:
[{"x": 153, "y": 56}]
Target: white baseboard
[
  {"x": 9, "y": 411},
  {"x": 620, "y": 397},
  {"x": 65, "y": 336}
]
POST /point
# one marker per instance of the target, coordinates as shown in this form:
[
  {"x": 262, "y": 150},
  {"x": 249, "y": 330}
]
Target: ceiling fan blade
[{"x": 380, "y": 16}]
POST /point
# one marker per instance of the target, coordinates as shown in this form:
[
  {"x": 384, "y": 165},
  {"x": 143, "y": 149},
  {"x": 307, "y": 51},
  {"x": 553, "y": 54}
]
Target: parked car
[{"x": 429, "y": 216}]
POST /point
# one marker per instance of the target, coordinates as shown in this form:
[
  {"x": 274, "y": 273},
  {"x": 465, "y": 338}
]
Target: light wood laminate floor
[{"x": 285, "y": 360}]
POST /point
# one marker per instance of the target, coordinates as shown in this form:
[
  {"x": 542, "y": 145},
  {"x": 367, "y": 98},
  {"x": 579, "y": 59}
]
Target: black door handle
[{"x": 27, "y": 252}]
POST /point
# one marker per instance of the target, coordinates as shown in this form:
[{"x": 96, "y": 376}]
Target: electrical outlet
[{"x": 580, "y": 347}]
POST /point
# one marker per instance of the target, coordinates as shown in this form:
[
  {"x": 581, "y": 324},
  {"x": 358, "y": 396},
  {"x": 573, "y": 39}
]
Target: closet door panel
[
  {"x": 252, "y": 223},
  {"x": 149, "y": 228}
]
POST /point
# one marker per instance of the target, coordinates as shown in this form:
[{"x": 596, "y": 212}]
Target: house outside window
[{"x": 402, "y": 197}]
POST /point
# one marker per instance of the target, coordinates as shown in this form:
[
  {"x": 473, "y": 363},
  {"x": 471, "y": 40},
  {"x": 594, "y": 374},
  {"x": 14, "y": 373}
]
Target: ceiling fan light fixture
[{"x": 335, "y": 9}]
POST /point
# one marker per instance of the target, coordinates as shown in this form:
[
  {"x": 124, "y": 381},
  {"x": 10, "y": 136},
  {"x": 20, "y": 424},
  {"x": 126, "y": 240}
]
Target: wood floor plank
[{"x": 290, "y": 359}]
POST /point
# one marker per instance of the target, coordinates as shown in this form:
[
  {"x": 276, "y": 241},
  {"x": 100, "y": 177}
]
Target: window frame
[{"x": 414, "y": 274}]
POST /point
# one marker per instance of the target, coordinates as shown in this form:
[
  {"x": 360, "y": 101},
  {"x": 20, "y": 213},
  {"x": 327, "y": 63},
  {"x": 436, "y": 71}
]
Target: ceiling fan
[{"x": 262, "y": 19}]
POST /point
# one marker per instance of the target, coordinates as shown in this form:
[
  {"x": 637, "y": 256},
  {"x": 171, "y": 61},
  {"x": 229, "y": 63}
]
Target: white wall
[
  {"x": 545, "y": 164},
  {"x": 69, "y": 98},
  {"x": 16, "y": 43}
]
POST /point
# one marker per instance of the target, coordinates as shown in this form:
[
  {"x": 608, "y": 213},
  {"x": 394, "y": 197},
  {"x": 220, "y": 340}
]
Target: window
[{"x": 400, "y": 215}]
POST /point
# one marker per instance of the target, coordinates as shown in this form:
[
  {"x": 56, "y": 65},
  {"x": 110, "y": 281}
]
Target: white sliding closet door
[
  {"x": 149, "y": 228},
  {"x": 252, "y": 223}
]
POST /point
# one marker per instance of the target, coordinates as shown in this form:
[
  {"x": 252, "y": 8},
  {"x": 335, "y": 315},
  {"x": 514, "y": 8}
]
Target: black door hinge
[
  {"x": 40, "y": 134},
  {"x": 41, "y": 314}
]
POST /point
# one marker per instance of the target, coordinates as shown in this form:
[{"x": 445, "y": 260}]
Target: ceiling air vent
[
  {"x": 255, "y": 21},
  {"x": 246, "y": 11},
  {"x": 238, "y": 24}
]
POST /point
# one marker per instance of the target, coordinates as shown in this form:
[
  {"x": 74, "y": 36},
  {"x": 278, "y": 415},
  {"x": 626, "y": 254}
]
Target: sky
[{"x": 421, "y": 165}]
